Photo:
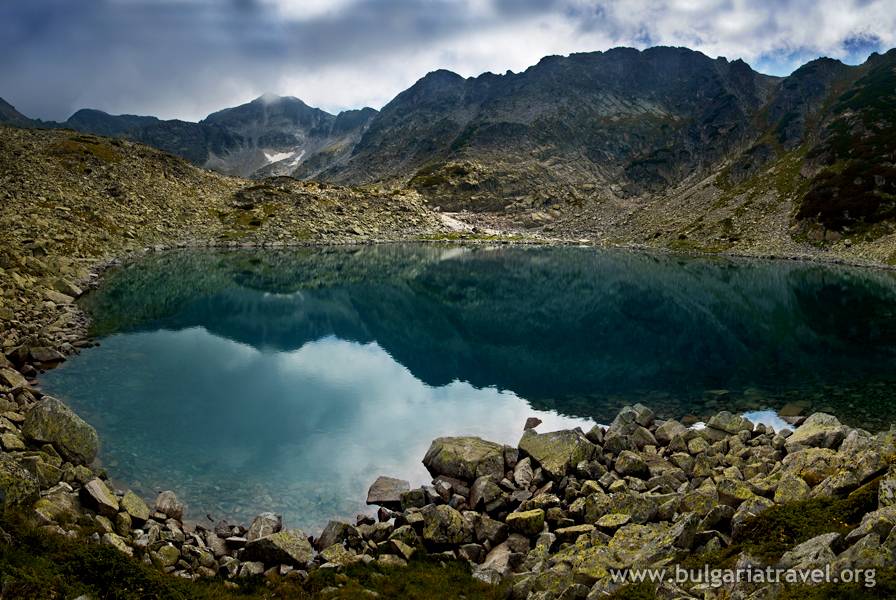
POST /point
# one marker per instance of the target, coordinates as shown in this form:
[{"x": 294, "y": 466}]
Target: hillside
[{"x": 71, "y": 200}]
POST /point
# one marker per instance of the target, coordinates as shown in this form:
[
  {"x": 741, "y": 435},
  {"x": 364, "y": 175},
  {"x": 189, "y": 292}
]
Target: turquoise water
[{"x": 258, "y": 380}]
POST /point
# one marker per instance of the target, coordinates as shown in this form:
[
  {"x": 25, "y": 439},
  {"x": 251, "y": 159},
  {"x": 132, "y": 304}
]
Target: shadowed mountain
[{"x": 269, "y": 136}]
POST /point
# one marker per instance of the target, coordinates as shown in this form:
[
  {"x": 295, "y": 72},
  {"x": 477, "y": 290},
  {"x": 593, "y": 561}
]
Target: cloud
[{"x": 186, "y": 58}]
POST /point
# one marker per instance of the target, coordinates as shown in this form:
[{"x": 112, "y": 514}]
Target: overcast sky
[{"x": 187, "y": 58}]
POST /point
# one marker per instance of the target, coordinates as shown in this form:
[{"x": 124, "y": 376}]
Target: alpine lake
[{"x": 287, "y": 381}]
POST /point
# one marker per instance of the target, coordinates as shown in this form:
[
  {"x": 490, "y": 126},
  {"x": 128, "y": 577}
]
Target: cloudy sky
[{"x": 186, "y": 58}]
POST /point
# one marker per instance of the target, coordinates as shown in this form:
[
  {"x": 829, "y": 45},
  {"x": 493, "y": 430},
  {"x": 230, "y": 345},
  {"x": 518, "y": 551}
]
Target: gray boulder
[
  {"x": 557, "y": 452},
  {"x": 387, "y": 491},
  {"x": 465, "y": 458},
  {"x": 820, "y": 430},
  {"x": 284, "y": 547}
]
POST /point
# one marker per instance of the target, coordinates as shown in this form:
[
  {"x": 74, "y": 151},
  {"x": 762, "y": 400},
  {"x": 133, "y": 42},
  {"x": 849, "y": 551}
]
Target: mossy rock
[
  {"x": 53, "y": 422},
  {"x": 18, "y": 487}
]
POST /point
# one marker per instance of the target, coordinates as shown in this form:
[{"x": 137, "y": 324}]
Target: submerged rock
[{"x": 51, "y": 421}]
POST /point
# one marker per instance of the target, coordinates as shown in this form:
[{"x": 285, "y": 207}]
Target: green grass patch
[{"x": 38, "y": 565}]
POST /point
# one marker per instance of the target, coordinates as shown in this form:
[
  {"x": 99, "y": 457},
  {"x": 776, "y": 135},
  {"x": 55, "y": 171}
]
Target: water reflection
[{"x": 288, "y": 380}]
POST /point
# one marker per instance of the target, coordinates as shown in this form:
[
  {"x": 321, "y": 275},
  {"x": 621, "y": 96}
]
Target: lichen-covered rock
[
  {"x": 443, "y": 525},
  {"x": 791, "y": 489},
  {"x": 557, "y": 452},
  {"x": 812, "y": 464},
  {"x": 886, "y": 493},
  {"x": 630, "y": 464},
  {"x": 51, "y": 421},
  {"x": 264, "y": 525},
  {"x": 812, "y": 554},
  {"x": 18, "y": 487},
  {"x": 528, "y": 522},
  {"x": 286, "y": 547},
  {"x": 465, "y": 458},
  {"x": 387, "y": 491},
  {"x": 820, "y": 430},
  {"x": 729, "y": 423},
  {"x": 134, "y": 505},
  {"x": 733, "y": 491},
  {"x": 337, "y": 532}
]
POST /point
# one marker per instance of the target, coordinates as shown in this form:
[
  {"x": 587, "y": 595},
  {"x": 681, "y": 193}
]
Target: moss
[
  {"x": 80, "y": 148},
  {"x": 885, "y": 587},
  {"x": 40, "y": 565},
  {"x": 635, "y": 591}
]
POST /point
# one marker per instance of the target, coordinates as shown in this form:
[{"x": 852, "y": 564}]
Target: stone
[
  {"x": 532, "y": 423},
  {"x": 387, "y": 491},
  {"x": 729, "y": 423},
  {"x": 45, "y": 355},
  {"x": 13, "y": 379},
  {"x": 631, "y": 465},
  {"x": 668, "y": 430},
  {"x": 59, "y": 505},
  {"x": 11, "y": 442},
  {"x": 465, "y": 458},
  {"x": 820, "y": 430},
  {"x": 264, "y": 525},
  {"x": 167, "y": 556},
  {"x": 338, "y": 555},
  {"x": 99, "y": 497},
  {"x": 51, "y": 421},
  {"x": 287, "y": 546},
  {"x": 528, "y": 522},
  {"x": 791, "y": 489},
  {"x": 814, "y": 553},
  {"x": 443, "y": 526},
  {"x": 747, "y": 510},
  {"x": 134, "y": 505},
  {"x": 118, "y": 543},
  {"x": 18, "y": 486},
  {"x": 886, "y": 493},
  {"x": 338, "y": 532},
  {"x": 251, "y": 568},
  {"x": 733, "y": 491},
  {"x": 812, "y": 464},
  {"x": 485, "y": 491},
  {"x": 557, "y": 452},
  {"x": 613, "y": 521},
  {"x": 168, "y": 504},
  {"x": 523, "y": 473}
]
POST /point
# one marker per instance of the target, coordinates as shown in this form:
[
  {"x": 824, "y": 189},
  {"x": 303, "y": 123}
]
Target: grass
[{"x": 38, "y": 565}]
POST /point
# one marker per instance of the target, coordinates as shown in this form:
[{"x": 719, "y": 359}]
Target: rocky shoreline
[{"x": 549, "y": 518}]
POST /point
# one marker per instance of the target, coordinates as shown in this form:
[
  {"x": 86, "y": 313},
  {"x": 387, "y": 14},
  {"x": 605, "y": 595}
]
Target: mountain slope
[
  {"x": 271, "y": 135},
  {"x": 627, "y": 121}
]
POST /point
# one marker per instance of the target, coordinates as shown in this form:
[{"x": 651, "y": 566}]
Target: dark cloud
[{"x": 185, "y": 58}]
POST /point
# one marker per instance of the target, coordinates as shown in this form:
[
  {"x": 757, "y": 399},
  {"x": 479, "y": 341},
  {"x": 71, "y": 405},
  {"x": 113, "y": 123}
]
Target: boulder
[
  {"x": 820, "y": 430},
  {"x": 812, "y": 464},
  {"x": 168, "y": 504},
  {"x": 96, "y": 495},
  {"x": 557, "y": 452},
  {"x": 134, "y": 505},
  {"x": 630, "y": 464},
  {"x": 791, "y": 489},
  {"x": 668, "y": 430},
  {"x": 814, "y": 553},
  {"x": 729, "y": 423},
  {"x": 337, "y": 532},
  {"x": 264, "y": 525},
  {"x": 528, "y": 522},
  {"x": 51, "y": 421},
  {"x": 387, "y": 491},
  {"x": 284, "y": 547},
  {"x": 465, "y": 458},
  {"x": 443, "y": 526},
  {"x": 18, "y": 486},
  {"x": 486, "y": 492}
]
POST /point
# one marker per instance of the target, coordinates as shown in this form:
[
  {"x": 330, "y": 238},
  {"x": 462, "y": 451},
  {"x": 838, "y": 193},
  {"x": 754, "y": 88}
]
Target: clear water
[{"x": 258, "y": 380}]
